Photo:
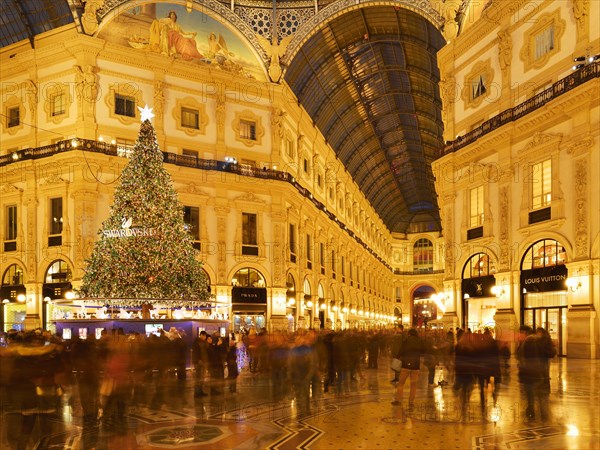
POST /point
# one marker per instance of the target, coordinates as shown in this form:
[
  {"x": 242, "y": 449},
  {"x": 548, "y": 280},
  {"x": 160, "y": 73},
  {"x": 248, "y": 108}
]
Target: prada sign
[
  {"x": 545, "y": 279},
  {"x": 248, "y": 295}
]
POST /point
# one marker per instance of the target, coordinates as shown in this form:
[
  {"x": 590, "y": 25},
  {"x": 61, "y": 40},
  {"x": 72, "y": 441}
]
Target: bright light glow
[
  {"x": 74, "y": 143},
  {"x": 323, "y": 306},
  {"x": 353, "y": 311},
  {"x": 69, "y": 295},
  {"x": 335, "y": 308},
  {"x": 100, "y": 138},
  {"x": 6, "y": 300},
  {"x": 145, "y": 113},
  {"x": 572, "y": 430},
  {"x": 309, "y": 304},
  {"x": 21, "y": 298},
  {"x": 292, "y": 301}
]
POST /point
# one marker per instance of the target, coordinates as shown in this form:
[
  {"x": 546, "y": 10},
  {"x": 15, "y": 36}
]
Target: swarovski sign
[{"x": 127, "y": 231}]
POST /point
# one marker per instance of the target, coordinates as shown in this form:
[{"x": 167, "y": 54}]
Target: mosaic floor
[{"x": 362, "y": 418}]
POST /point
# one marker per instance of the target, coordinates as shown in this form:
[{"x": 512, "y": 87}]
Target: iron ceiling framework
[
  {"x": 24, "y": 19},
  {"x": 369, "y": 80}
]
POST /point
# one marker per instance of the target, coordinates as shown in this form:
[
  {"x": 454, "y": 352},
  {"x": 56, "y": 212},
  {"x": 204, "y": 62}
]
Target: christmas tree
[{"x": 145, "y": 250}]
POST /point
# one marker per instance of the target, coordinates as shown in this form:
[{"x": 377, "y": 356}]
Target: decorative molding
[
  {"x": 251, "y": 117},
  {"x": 540, "y": 142},
  {"x": 53, "y": 179},
  {"x": 51, "y": 91},
  {"x": 580, "y": 146},
  {"x": 9, "y": 189},
  {"x": 542, "y": 22},
  {"x": 191, "y": 188},
  {"x": 581, "y": 210},
  {"x": 126, "y": 89},
  {"x": 479, "y": 69},
  {"x": 249, "y": 197},
  {"x": 192, "y": 104}
]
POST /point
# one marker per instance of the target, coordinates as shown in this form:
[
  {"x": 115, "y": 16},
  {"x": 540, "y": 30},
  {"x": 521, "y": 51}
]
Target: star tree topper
[{"x": 145, "y": 113}]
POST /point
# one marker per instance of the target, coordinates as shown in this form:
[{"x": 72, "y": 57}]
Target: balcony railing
[
  {"x": 185, "y": 161},
  {"x": 559, "y": 88}
]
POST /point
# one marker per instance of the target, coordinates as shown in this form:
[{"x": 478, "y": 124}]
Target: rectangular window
[
  {"x": 292, "y": 242},
  {"x": 333, "y": 263},
  {"x": 11, "y": 223},
  {"x": 249, "y": 234},
  {"x": 544, "y": 42},
  {"x": 319, "y": 180},
  {"x": 289, "y": 144},
  {"x": 305, "y": 164},
  {"x": 248, "y": 130},
  {"x": 124, "y": 105},
  {"x": 124, "y": 147},
  {"x": 478, "y": 86},
  {"x": 13, "y": 117},
  {"x": 56, "y": 215},
  {"x": 476, "y": 207},
  {"x": 190, "y": 118},
  {"x": 343, "y": 264},
  {"x": 191, "y": 217},
  {"x": 57, "y": 104},
  {"x": 187, "y": 152},
  {"x": 541, "y": 184}
]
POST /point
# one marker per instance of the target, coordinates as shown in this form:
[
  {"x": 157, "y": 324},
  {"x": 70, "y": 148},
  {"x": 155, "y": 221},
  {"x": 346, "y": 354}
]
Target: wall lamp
[
  {"x": 573, "y": 284},
  {"x": 498, "y": 291}
]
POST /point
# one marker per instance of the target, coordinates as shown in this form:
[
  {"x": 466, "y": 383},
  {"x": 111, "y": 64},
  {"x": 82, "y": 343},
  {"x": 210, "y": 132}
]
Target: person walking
[{"x": 410, "y": 355}]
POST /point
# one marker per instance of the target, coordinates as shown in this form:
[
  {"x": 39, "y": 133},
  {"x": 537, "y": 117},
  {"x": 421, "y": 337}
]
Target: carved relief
[
  {"x": 89, "y": 21},
  {"x": 159, "y": 101},
  {"x": 86, "y": 90},
  {"x": 277, "y": 264},
  {"x": 581, "y": 12},
  {"x": 504, "y": 227},
  {"x": 222, "y": 251},
  {"x": 581, "y": 228},
  {"x": 504, "y": 51}
]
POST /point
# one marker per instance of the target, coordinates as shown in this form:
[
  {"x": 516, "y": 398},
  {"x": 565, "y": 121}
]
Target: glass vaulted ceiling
[{"x": 369, "y": 80}]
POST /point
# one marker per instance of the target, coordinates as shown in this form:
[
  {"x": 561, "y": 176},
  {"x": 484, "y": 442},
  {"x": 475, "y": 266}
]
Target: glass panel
[
  {"x": 553, "y": 325},
  {"x": 528, "y": 319},
  {"x": 56, "y": 219},
  {"x": 11, "y": 223},
  {"x": 249, "y": 229}
]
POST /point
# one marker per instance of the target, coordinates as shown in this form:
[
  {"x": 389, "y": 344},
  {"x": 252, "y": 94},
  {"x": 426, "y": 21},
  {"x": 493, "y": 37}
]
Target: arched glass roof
[{"x": 369, "y": 80}]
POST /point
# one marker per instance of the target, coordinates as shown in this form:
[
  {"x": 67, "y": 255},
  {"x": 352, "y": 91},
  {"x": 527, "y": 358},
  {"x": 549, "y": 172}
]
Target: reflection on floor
[{"x": 362, "y": 418}]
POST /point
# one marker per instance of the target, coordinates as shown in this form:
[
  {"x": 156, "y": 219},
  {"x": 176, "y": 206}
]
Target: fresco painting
[{"x": 172, "y": 31}]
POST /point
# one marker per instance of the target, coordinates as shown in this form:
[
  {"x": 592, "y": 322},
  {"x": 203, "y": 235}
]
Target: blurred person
[
  {"x": 396, "y": 347},
  {"x": 547, "y": 351},
  {"x": 200, "y": 360},
  {"x": 277, "y": 358},
  {"x": 410, "y": 355},
  {"x": 465, "y": 367},
  {"x": 35, "y": 379},
  {"x": 85, "y": 363},
  {"x": 232, "y": 365},
  {"x": 302, "y": 366},
  {"x": 216, "y": 368},
  {"x": 531, "y": 373},
  {"x": 115, "y": 386}
]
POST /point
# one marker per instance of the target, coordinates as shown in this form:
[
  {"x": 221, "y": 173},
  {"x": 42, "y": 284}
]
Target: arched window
[
  {"x": 58, "y": 272},
  {"x": 478, "y": 265},
  {"x": 13, "y": 276},
  {"x": 207, "y": 279},
  {"x": 544, "y": 253},
  {"x": 423, "y": 255},
  {"x": 307, "y": 294},
  {"x": 248, "y": 277}
]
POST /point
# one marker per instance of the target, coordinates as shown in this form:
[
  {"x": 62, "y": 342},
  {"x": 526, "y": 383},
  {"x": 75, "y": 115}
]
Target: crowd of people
[{"x": 118, "y": 372}]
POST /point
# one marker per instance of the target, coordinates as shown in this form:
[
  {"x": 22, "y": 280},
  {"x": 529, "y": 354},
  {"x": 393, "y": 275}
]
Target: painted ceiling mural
[{"x": 172, "y": 31}]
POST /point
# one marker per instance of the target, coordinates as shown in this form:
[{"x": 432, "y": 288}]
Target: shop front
[
  {"x": 544, "y": 302},
  {"x": 543, "y": 287},
  {"x": 479, "y": 302},
  {"x": 13, "y": 296},
  {"x": 249, "y": 308}
]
